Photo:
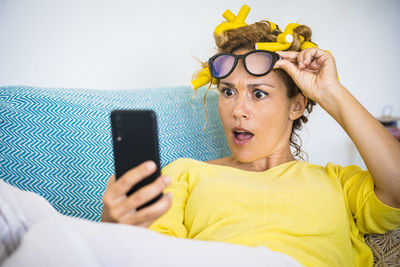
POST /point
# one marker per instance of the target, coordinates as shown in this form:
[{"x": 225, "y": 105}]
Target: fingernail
[
  {"x": 150, "y": 165},
  {"x": 167, "y": 179}
]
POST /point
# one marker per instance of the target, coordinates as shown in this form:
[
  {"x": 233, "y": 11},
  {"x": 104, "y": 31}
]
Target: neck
[{"x": 262, "y": 164}]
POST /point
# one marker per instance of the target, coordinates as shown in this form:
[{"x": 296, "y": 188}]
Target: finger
[
  {"x": 130, "y": 178},
  {"x": 288, "y": 54},
  {"x": 106, "y": 195},
  {"x": 111, "y": 181},
  {"x": 312, "y": 55},
  {"x": 149, "y": 213},
  {"x": 309, "y": 56},
  {"x": 289, "y": 67},
  {"x": 142, "y": 196},
  {"x": 300, "y": 59},
  {"x": 314, "y": 65}
]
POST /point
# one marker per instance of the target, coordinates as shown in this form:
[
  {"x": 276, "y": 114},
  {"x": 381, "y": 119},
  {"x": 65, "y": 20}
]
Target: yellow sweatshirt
[{"x": 317, "y": 215}]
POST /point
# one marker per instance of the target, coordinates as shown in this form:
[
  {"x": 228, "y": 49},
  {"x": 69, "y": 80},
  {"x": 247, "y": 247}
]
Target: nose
[{"x": 240, "y": 109}]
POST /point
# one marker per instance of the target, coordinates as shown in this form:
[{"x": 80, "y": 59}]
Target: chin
[{"x": 244, "y": 155}]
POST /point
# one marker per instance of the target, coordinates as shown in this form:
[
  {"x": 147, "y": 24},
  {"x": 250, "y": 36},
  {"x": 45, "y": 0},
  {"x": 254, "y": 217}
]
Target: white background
[{"x": 144, "y": 44}]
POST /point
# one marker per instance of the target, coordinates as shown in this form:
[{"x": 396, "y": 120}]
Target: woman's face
[{"x": 255, "y": 113}]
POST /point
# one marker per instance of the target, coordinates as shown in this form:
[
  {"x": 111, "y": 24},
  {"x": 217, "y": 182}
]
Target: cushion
[{"x": 57, "y": 142}]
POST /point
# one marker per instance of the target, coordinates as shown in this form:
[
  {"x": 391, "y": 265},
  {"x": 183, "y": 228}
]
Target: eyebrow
[{"x": 252, "y": 85}]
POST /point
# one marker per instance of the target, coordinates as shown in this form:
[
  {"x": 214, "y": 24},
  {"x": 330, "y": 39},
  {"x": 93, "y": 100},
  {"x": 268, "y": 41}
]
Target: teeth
[{"x": 238, "y": 132}]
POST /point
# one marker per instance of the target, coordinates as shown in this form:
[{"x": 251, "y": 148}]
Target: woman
[{"x": 261, "y": 195}]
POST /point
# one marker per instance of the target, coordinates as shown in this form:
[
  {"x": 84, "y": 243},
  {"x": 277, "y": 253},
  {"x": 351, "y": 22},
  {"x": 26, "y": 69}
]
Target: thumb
[{"x": 288, "y": 67}]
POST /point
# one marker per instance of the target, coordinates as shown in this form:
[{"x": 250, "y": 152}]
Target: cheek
[{"x": 273, "y": 118}]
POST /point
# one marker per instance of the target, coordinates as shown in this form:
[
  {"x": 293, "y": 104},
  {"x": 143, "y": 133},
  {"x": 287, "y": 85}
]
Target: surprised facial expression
[{"x": 255, "y": 113}]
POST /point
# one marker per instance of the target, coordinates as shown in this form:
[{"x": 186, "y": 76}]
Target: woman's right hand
[{"x": 120, "y": 208}]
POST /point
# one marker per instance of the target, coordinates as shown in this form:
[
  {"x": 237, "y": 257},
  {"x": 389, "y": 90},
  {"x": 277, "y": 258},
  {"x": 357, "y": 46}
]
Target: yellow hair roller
[
  {"x": 290, "y": 27},
  {"x": 283, "y": 40},
  {"x": 272, "y": 26},
  {"x": 233, "y": 22},
  {"x": 203, "y": 78},
  {"x": 306, "y": 45}
]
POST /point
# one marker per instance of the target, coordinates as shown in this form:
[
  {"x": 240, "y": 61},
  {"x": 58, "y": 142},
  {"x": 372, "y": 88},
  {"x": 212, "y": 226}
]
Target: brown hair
[{"x": 245, "y": 38}]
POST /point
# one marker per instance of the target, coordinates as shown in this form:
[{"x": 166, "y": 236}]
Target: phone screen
[{"x": 135, "y": 140}]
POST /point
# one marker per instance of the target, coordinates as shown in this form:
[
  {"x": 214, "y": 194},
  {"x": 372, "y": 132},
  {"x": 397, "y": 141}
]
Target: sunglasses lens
[
  {"x": 259, "y": 63},
  {"x": 222, "y": 65}
]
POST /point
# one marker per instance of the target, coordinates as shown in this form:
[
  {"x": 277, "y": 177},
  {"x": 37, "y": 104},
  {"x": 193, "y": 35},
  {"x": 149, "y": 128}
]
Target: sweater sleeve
[
  {"x": 371, "y": 215},
  {"x": 172, "y": 222}
]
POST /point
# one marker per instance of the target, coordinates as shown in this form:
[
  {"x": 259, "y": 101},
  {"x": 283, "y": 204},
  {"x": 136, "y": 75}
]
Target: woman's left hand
[{"x": 313, "y": 70}]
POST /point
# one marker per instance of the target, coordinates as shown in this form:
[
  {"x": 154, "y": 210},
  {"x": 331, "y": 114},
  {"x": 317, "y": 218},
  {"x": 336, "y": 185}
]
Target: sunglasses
[{"x": 256, "y": 62}]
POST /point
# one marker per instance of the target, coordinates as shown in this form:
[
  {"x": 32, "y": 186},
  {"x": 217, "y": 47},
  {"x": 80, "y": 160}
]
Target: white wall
[{"x": 141, "y": 44}]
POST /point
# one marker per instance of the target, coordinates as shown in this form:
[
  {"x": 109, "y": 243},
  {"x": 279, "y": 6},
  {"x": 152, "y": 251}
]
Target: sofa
[{"x": 57, "y": 143}]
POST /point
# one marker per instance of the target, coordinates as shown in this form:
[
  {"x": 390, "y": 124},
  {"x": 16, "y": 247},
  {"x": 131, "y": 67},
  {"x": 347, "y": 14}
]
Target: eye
[
  {"x": 259, "y": 94},
  {"x": 227, "y": 92}
]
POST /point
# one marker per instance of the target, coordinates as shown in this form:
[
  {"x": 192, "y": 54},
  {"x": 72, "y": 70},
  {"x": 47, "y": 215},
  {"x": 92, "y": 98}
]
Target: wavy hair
[{"x": 245, "y": 38}]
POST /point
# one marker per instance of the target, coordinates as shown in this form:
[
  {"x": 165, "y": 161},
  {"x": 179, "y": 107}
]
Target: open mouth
[{"x": 240, "y": 138}]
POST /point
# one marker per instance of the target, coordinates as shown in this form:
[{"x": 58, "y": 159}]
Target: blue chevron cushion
[{"x": 57, "y": 142}]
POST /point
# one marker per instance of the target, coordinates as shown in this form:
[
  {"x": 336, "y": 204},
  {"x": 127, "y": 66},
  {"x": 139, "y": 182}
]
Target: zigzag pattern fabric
[{"x": 57, "y": 142}]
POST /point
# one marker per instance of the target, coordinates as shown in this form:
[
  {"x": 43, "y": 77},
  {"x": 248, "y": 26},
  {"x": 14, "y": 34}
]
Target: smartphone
[{"x": 135, "y": 140}]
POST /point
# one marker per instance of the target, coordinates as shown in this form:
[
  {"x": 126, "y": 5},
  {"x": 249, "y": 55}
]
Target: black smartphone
[{"x": 135, "y": 140}]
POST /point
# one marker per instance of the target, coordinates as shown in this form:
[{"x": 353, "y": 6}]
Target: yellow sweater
[{"x": 317, "y": 215}]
